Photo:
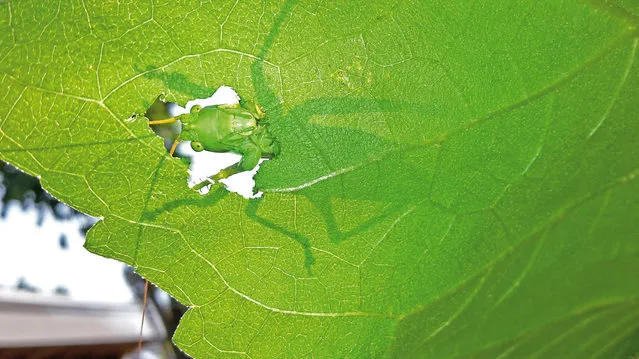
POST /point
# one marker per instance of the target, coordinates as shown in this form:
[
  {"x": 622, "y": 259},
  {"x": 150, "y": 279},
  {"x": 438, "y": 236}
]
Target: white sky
[{"x": 33, "y": 252}]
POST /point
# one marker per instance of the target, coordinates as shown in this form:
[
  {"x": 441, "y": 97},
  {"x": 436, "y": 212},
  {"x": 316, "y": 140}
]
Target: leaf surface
[{"x": 456, "y": 180}]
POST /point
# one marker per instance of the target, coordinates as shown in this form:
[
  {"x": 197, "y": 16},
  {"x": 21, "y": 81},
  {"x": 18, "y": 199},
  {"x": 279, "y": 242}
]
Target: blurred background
[{"x": 57, "y": 300}]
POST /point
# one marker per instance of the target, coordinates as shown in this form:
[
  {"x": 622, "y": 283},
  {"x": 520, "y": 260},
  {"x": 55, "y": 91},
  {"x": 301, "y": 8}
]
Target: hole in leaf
[{"x": 230, "y": 139}]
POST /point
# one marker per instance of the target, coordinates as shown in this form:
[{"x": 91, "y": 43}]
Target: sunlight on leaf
[{"x": 456, "y": 180}]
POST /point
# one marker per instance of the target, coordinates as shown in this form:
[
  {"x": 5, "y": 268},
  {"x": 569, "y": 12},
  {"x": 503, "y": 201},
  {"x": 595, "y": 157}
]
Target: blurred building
[{"x": 37, "y": 326}]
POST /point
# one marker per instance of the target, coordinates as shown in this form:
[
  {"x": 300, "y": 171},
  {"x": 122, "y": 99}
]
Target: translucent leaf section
[{"x": 456, "y": 180}]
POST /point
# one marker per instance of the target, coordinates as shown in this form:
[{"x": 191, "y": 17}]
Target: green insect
[{"x": 221, "y": 128}]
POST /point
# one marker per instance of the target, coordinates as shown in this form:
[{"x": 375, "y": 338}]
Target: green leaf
[{"x": 456, "y": 179}]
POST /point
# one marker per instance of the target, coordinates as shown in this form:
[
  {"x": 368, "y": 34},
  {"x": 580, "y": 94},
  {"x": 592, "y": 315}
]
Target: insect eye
[
  {"x": 197, "y": 147},
  {"x": 196, "y": 108}
]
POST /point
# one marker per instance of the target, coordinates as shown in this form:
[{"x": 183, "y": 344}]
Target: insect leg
[
  {"x": 161, "y": 122},
  {"x": 224, "y": 173},
  {"x": 250, "y": 159},
  {"x": 174, "y": 146}
]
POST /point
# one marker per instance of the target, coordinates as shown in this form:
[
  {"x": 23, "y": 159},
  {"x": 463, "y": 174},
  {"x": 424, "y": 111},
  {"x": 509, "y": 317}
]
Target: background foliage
[{"x": 456, "y": 180}]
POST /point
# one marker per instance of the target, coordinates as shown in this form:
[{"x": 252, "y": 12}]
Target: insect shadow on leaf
[
  {"x": 209, "y": 129},
  {"x": 175, "y": 81},
  {"x": 300, "y": 116},
  {"x": 251, "y": 212},
  {"x": 211, "y": 199},
  {"x": 334, "y": 233}
]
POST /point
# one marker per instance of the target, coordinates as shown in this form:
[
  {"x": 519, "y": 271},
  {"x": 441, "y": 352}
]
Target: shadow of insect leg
[
  {"x": 324, "y": 205},
  {"x": 305, "y": 243}
]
